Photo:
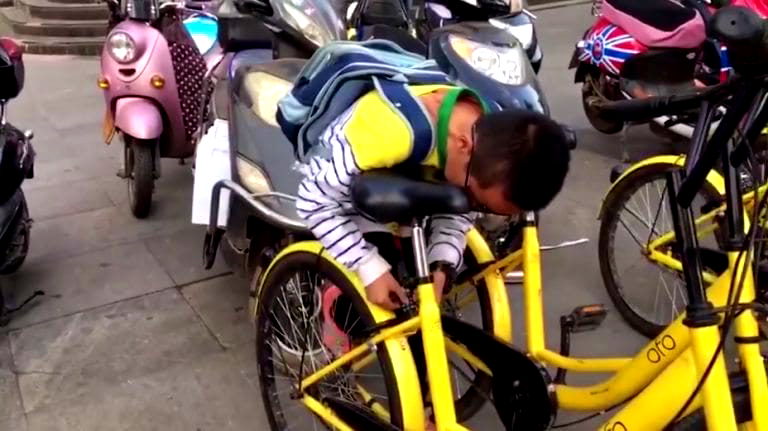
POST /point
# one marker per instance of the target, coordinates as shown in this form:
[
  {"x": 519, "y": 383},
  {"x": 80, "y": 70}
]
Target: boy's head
[{"x": 510, "y": 161}]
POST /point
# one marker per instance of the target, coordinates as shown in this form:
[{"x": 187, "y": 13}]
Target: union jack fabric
[
  {"x": 725, "y": 64},
  {"x": 608, "y": 46}
]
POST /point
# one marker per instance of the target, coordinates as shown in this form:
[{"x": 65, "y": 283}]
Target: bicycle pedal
[{"x": 586, "y": 317}]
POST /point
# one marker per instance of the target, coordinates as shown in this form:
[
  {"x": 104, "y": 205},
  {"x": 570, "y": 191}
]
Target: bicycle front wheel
[
  {"x": 648, "y": 294},
  {"x": 310, "y": 313}
]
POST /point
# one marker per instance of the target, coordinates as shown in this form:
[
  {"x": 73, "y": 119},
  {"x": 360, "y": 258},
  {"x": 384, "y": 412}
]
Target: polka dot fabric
[{"x": 189, "y": 68}]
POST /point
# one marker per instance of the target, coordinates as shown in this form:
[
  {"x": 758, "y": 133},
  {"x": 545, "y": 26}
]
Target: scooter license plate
[{"x": 108, "y": 128}]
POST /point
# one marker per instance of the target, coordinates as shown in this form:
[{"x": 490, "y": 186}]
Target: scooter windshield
[
  {"x": 142, "y": 10},
  {"x": 319, "y": 21},
  {"x": 491, "y": 61},
  {"x": 204, "y": 31}
]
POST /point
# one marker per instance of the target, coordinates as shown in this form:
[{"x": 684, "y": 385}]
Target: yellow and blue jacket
[{"x": 371, "y": 134}]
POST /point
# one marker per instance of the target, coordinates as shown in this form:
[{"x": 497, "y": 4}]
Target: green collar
[{"x": 444, "y": 118}]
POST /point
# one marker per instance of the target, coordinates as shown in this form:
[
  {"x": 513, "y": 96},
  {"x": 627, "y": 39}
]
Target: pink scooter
[{"x": 156, "y": 83}]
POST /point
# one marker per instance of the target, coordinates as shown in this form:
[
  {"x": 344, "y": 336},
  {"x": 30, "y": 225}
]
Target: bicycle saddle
[
  {"x": 388, "y": 197},
  {"x": 745, "y": 34}
]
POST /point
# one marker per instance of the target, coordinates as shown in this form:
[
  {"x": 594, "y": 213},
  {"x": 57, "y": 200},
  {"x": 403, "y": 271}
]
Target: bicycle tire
[
  {"x": 282, "y": 268},
  {"x": 614, "y": 202}
]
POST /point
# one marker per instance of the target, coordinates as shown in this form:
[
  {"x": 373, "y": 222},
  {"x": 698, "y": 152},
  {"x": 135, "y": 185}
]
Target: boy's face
[
  {"x": 490, "y": 199},
  {"x": 458, "y": 165}
]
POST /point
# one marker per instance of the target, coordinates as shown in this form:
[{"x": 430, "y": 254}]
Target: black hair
[{"x": 526, "y": 152}]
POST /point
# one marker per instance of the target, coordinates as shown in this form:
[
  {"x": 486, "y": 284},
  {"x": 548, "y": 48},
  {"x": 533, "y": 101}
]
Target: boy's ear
[{"x": 465, "y": 144}]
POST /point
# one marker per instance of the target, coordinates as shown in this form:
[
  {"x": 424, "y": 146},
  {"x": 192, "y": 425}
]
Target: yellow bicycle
[
  {"x": 641, "y": 269},
  {"x": 349, "y": 365},
  {"x": 374, "y": 383}
]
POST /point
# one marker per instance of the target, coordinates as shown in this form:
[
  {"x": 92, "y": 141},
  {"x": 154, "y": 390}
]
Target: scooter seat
[
  {"x": 246, "y": 80},
  {"x": 254, "y": 134},
  {"x": 387, "y": 197}
]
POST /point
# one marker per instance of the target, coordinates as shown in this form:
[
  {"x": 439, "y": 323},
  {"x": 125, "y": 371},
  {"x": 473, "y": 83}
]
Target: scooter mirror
[
  {"x": 11, "y": 47},
  {"x": 516, "y": 6},
  {"x": 142, "y": 10},
  {"x": 351, "y": 10}
]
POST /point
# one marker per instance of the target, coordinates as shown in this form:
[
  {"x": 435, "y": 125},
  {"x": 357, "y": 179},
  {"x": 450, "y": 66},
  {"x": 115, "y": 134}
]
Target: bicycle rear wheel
[{"x": 303, "y": 303}]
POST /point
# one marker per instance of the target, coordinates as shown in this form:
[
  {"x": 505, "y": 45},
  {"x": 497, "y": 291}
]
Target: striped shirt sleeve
[
  {"x": 448, "y": 238},
  {"x": 325, "y": 205}
]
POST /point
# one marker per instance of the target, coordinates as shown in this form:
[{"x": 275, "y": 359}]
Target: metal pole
[{"x": 419, "y": 249}]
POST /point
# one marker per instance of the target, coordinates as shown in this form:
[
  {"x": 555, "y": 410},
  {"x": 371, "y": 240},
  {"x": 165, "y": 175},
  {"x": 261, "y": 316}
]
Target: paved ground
[{"x": 134, "y": 334}]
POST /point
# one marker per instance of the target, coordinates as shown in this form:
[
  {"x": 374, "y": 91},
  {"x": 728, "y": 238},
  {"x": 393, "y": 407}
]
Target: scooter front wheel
[{"x": 140, "y": 173}]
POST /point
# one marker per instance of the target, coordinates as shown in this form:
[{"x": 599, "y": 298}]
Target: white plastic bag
[{"x": 212, "y": 164}]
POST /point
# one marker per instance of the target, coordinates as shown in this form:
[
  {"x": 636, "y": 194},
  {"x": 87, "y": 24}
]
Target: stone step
[
  {"x": 23, "y": 25},
  {"x": 63, "y": 46},
  {"x": 79, "y": 2},
  {"x": 45, "y": 9}
]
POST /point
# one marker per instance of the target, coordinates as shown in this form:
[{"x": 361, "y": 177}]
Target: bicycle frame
[
  {"x": 429, "y": 323},
  {"x": 704, "y": 225},
  {"x": 662, "y": 373},
  {"x": 660, "y": 377}
]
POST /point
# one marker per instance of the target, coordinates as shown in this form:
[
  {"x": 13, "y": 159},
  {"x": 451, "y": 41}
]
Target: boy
[{"x": 507, "y": 161}]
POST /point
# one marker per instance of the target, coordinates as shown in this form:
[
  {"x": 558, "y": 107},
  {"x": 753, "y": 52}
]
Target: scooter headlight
[
  {"x": 251, "y": 177},
  {"x": 505, "y": 65},
  {"x": 121, "y": 47}
]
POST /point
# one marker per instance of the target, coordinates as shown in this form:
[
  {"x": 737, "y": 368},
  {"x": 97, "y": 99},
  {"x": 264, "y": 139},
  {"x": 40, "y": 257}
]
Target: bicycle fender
[
  {"x": 497, "y": 290},
  {"x": 399, "y": 351},
  {"x": 713, "y": 177}
]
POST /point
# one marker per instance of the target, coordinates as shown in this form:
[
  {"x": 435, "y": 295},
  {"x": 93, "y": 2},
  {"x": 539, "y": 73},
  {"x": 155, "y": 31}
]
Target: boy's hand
[
  {"x": 386, "y": 292},
  {"x": 439, "y": 278}
]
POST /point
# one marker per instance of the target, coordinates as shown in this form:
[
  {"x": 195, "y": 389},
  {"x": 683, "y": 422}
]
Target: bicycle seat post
[
  {"x": 420, "y": 250},
  {"x": 438, "y": 373}
]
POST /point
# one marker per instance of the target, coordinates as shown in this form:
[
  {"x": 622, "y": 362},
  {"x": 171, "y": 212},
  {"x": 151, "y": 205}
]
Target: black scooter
[
  {"x": 264, "y": 177},
  {"x": 262, "y": 217},
  {"x": 16, "y": 164}
]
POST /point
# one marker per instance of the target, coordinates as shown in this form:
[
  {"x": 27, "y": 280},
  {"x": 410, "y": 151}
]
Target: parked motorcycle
[
  {"x": 295, "y": 32},
  {"x": 261, "y": 216},
  {"x": 16, "y": 164},
  {"x": 490, "y": 60},
  {"x": 17, "y": 158},
  {"x": 612, "y": 64},
  {"x": 154, "y": 76}
]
